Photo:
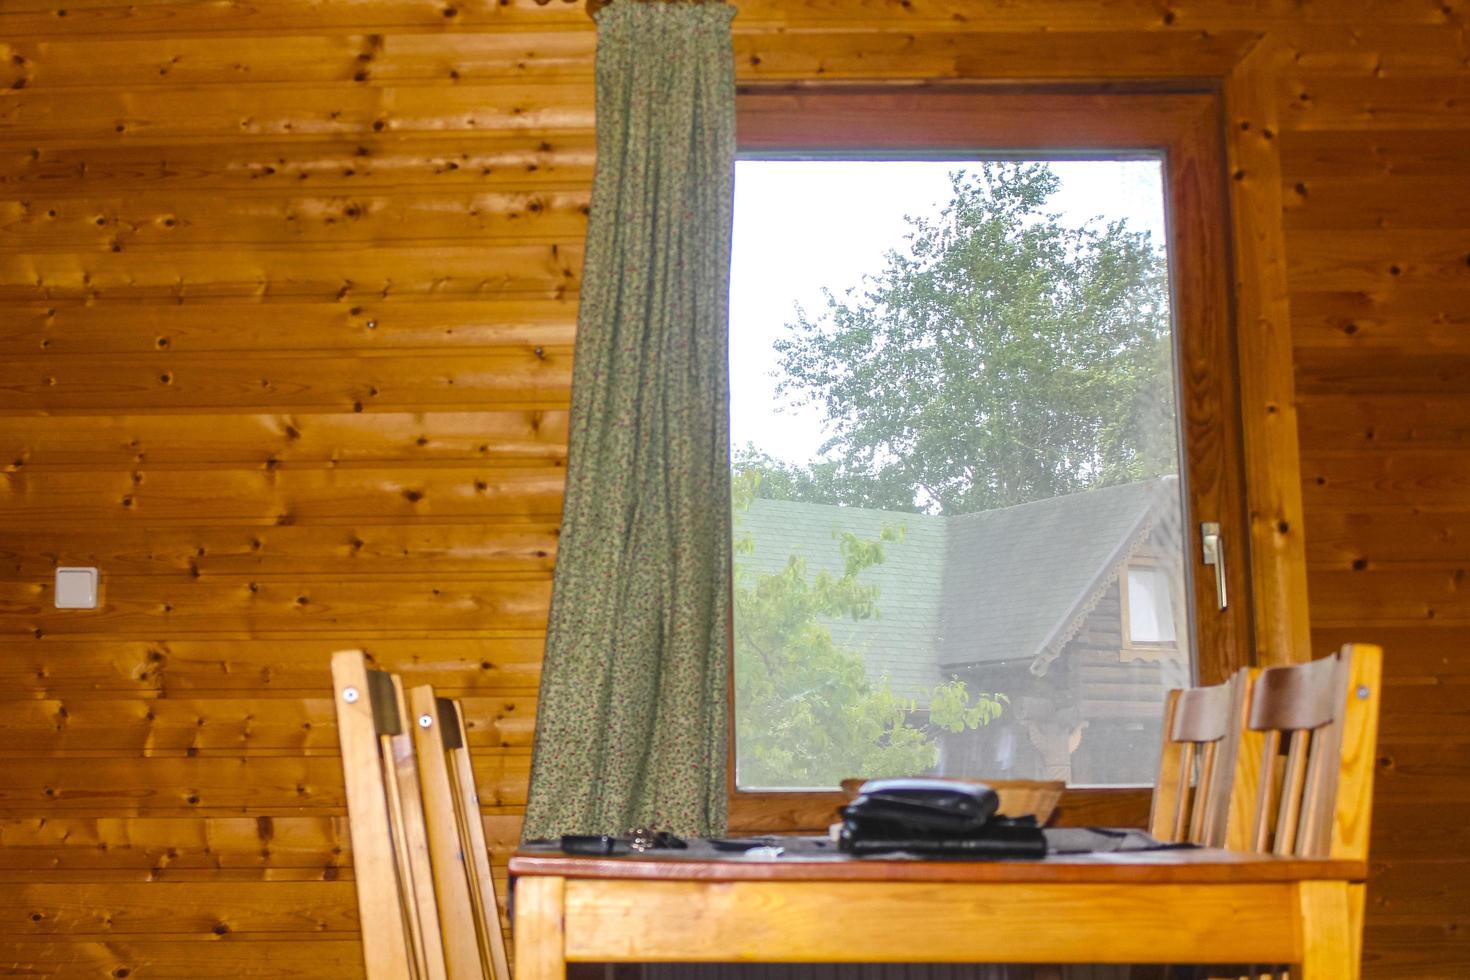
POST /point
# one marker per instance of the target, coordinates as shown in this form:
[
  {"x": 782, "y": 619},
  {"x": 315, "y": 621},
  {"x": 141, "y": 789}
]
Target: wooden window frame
[{"x": 1209, "y": 131}]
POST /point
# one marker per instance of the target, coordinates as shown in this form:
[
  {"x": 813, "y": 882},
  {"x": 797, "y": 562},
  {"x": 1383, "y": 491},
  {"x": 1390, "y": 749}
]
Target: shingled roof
[
  {"x": 1018, "y": 581},
  {"x": 902, "y": 642},
  {"x": 1007, "y": 584}
]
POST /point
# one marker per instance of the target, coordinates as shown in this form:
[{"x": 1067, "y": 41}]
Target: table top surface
[{"x": 1175, "y": 866}]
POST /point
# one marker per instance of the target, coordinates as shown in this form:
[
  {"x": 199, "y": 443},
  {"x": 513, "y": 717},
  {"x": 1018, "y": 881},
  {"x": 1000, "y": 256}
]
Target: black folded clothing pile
[{"x": 935, "y": 818}]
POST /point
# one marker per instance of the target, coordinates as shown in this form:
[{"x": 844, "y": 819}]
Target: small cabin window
[{"x": 1150, "y": 605}]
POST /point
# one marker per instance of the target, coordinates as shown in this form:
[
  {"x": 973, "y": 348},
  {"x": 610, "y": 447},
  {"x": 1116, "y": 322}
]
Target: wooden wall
[{"x": 287, "y": 303}]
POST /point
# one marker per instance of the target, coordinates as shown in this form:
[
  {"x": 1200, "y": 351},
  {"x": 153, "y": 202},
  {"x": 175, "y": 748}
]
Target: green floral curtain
[{"x": 631, "y": 724}]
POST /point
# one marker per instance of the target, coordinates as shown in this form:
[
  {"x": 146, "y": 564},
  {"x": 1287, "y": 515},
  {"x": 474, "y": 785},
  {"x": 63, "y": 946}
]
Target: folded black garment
[
  {"x": 932, "y": 807},
  {"x": 1001, "y": 837}
]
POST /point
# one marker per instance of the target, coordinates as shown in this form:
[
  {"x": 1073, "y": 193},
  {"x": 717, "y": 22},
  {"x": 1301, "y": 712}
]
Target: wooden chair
[
  {"x": 1304, "y": 775},
  {"x": 401, "y": 937},
  {"x": 1303, "y": 783},
  {"x": 1201, "y": 735},
  {"x": 473, "y": 942}
]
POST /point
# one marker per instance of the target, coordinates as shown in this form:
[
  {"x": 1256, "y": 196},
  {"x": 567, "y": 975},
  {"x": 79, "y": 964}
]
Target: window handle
[{"x": 1214, "y": 554}]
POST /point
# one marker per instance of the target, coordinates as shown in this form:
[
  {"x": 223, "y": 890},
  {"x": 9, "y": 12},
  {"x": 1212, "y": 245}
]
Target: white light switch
[{"x": 76, "y": 588}]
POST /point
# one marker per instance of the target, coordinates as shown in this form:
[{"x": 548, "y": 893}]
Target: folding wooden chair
[
  {"x": 473, "y": 942},
  {"x": 1202, "y": 731},
  {"x": 401, "y": 938}
]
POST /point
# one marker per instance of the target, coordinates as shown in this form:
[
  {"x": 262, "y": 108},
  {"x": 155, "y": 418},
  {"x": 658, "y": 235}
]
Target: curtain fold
[{"x": 631, "y": 724}]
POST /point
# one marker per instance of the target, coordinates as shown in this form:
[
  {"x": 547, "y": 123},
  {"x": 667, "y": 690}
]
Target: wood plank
[
  {"x": 1359, "y": 101},
  {"x": 1417, "y": 891},
  {"x": 1397, "y": 320},
  {"x": 210, "y": 958},
  {"x": 1270, "y": 457},
  {"x": 995, "y": 54},
  {"x": 457, "y": 663},
  {"x": 162, "y": 846},
  {"x": 118, "y": 440},
  {"x": 1323, "y": 203},
  {"x": 1341, "y": 260},
  {"x": 366, "y": 552},
  {"x": 1401, "y": 836},
  {"x": 1424, "y": 780},
  {"x": 1359, "y": 153},
  {"x": 144, "y": 606},
  {"x": 346, "y": 56},
  {"x": 159, "y": 909},
  {"x": 886, "y": 921},
  {"x": 392, "y": 382},
  {"x": 1423, "y": 372},
  {"x": 34, "y": 18},
  {"x": 320, "y": 273},
  {"x": 257, "y": 217},
  {"x": 45, "y": 728},
  {"x": 1398, "y": 479},
  {"x": 283, "y": 495},
  {"x": 372, "y": 163},
  {"x": 259, "y": 326},
  {"x": 1429, "y": 652},
  {"x": 1386, "y": 49},
  {"x": 287, "y": 110},
  {"x": 1341, "y": 540},
  {"x": 216, "y": 784},
  {"x": 1413, "y": 952},
  {"x": 1392, "y": 595}
]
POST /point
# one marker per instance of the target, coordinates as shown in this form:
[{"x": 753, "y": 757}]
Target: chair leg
[
  {"x": 1357, "y": 900},
  {"x": 1327, "y": 944}
]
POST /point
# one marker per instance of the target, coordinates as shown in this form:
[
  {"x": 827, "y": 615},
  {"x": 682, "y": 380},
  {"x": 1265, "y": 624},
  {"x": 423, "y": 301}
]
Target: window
[
  {"x": 971, "y": 425},
  {"x": 1149, "y": 604}
]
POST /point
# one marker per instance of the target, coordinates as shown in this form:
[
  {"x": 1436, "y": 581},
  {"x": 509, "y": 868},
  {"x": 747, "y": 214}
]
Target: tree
[
  {"x": 807, "y": 714},
  {"x": 1005, "y": 358}
]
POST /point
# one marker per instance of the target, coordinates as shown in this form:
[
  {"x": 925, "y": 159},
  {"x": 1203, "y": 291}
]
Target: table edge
[{"x": 1136, "y": 866}]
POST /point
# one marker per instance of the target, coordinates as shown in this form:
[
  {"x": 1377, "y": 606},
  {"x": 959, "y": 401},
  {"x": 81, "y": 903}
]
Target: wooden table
[{"x": 1179, "y": 906}]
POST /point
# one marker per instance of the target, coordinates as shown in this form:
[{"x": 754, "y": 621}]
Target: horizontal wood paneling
[
  {"x": 525, "y": 436},
  {"x": 181, "y": 958},
  {"x": 144, "y": 910},
  {"x": 155, "y": 847},
  {"x": 456, "y": 661},
  {"x": 323, "y": 272},
  {"x": 216, "y": 783},
  {"x": 285, "y": 494},
  {"x": 219, "y": 725},
  {"x": 369, "y": 550},
  {"x": 288, "y": 300},
  {"x": 174, "y": 220}
]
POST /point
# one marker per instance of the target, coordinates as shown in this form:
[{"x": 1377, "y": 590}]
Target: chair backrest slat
[{"x": 1293, "y": 781}]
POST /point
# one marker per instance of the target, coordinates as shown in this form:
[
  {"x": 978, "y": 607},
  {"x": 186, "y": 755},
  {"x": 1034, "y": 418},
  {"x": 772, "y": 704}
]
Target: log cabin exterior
[
  {"x": 287, "y": 308},
  {"x": 1026, "y": 601}
]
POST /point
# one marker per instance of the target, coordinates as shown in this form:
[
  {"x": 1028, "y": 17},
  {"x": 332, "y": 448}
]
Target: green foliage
[
  {"x": 1006, "y": 358},
  {"x": 807, "y": 714},
  {"x": 950, "y": 707}
]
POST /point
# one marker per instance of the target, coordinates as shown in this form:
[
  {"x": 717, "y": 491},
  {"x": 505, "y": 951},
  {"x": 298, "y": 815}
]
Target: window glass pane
[{"x": 953, "y": 430}]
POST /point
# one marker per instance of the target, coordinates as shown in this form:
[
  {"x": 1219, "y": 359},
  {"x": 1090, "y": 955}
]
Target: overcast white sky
[{"x": 804, "y": 225}]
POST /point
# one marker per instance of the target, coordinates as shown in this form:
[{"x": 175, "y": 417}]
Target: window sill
[{"x": 775, "y": 812}]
